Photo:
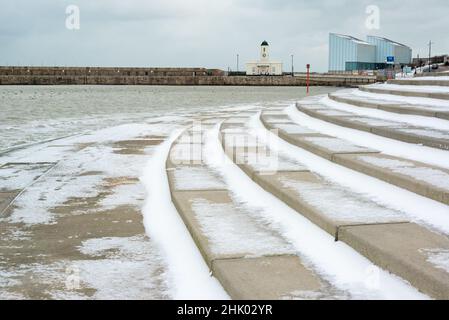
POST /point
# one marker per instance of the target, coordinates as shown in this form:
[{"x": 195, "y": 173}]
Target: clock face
[{"x": 264, "y": 55}]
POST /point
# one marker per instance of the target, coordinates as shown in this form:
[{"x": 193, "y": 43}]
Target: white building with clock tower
[{"x": 265, "y": 66}]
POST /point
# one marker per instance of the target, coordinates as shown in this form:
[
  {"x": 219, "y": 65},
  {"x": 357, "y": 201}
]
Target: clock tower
[{"x": 264, "y": 51}]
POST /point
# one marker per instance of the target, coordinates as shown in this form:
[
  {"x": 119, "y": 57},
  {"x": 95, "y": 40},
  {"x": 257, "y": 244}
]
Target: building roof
[
  {"x": 351, "y": 38},
  {"x": 390, "y": 41},
  {"x": 264, "y": 43}
]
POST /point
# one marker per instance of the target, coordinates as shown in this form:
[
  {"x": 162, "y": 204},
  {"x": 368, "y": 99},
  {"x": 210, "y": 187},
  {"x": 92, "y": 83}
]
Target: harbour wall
[{"x": 163, "y": 76}]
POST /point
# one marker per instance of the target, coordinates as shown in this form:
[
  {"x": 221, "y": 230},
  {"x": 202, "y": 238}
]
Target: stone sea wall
[{"x": 162, "y": 76}]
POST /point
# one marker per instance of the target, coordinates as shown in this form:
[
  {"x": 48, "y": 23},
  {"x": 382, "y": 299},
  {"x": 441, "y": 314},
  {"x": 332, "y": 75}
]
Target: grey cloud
[{"x": 205, "y": 32}]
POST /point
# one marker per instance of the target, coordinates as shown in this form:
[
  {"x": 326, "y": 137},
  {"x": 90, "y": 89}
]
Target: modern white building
[
  {"x": 387, "y": 48},
  {"x": 264, "y": 66},
  {"x": 347, "y": 53}
]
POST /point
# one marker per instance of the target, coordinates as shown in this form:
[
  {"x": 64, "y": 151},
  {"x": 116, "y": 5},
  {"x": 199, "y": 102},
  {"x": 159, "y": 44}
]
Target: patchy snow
[
  {"x": 79, "y": 176},
  {"x": 439, "y": 258},
  {"x": 268, "y": 161},
  {"x": 18, "y": 176},
  {"x": 376, "y": 122},
  {"x": 391, "y": 118},
  {"x": 231, "y": 231},
  {"x": 417, "y": 101},
  {"x": 196, "y": 178},
  {"x": 437, "y": 134},
  {"x": 282, "y": 119},
  {"x": 336, "y": 145},
  {"x": 186, "y": 153},
  {"x": 331, "y": 112},
  {"x": 335, "y": 261},
  {"x": 342, "y": 205},
  {"x": 242, "y": 140},
  {"x": 410, "y": 88},
  {"x": 292, "y": 128},
  {"x": 188, "y": 273},
  {"x": 128, "y": 194},
  {"x": 441, "y": 78},
  {"x": 435, "y": 177}
]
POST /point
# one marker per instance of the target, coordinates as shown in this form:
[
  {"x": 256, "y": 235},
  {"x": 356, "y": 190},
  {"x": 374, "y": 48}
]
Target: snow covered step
[
  {"x": 424, "y": 92},
  {"x": 322, "y": 145},
  {"x": 421, "y": 81},
  {"x": 390, "y": 106},
  {"x": 426, "y": 180},
  {"x": 407, "y": 249},
  {"x": 420, "y": 178},
  {"x": 390, "y": 129},
  {"x": 250, "y": 260},
  {"x": 328, "y": 205}
]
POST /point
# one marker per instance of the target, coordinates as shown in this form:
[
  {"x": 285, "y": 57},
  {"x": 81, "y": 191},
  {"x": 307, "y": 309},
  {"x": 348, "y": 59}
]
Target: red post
[{"x": 308, "y": 79}]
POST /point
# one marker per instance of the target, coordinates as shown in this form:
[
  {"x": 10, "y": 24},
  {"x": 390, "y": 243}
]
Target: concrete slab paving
[
  {"x": 189, "y": 178},
  {"x": 406, "y": 250},
  {"x": 429, "y": 181},
  {"x": 5, "y": 199},
  {"x": 246, "y": 279}
]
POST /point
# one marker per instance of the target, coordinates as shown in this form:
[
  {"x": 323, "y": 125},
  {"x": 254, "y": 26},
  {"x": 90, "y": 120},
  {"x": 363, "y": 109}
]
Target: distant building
[
  {"x": 264, "y": 66},
  {"x": 347, "y": 53},
  {"x": 387, "y": 48}
]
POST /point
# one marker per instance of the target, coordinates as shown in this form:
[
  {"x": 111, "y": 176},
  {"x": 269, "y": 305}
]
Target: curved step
[
  {"x": 420, "y": 82},
  {"x": 406, "y": 93},
  {"x": 390, "y": 106},
  {"x": 423, "y": 179},
  {"x": 251, "y": 261},
  {"x": 390, "y": 129},
  {"x": 382, "y": 235}
]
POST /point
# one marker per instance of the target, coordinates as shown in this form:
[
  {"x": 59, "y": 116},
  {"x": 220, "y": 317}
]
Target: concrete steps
[
  {"x": 405, "y": 93},
  {"x": 420, "y": 82},
  {"x": 389, "y": 106},
  {"x": 420, "y": 178},
  {"x": 250, "y": 260},
  {"x": 348, "y": 217},
  {"x": 390, "y": 129}
]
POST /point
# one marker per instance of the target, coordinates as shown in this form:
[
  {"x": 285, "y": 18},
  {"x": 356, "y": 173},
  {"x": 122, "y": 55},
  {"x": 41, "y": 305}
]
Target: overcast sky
[{"x": 206, "y": 33}]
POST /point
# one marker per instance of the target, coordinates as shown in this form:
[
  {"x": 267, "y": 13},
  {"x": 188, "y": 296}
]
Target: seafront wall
[{"x": 162, "y": 76}]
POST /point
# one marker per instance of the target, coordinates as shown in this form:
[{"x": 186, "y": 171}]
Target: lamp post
[
  {"x": 308, "y": 79},
  {"x": 293, "y": 70},
  {"x": 237, "y": 62},
  {"x": 430, "y": 55}
]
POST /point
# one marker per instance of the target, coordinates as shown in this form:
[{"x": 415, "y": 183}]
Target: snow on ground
[
  {"x": 439, "y": 258},
  {"x": 340, "y": 204},
  {"x": 392, "y": 147},
  {"x": 412, "y": 88},
  {"x": 417, "y": 208},
  {"x": 442, "y": 78},
  {"x": 231, "y": 231},
  {"x": 189, "y": 274},
  {"x": 443, "y": 105},
  {"x": 391, "y": 117},
  {"x": 432, "y": 176},
  {"x": 196, "y": 178},
  {"x": 335, "y": 261}
]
